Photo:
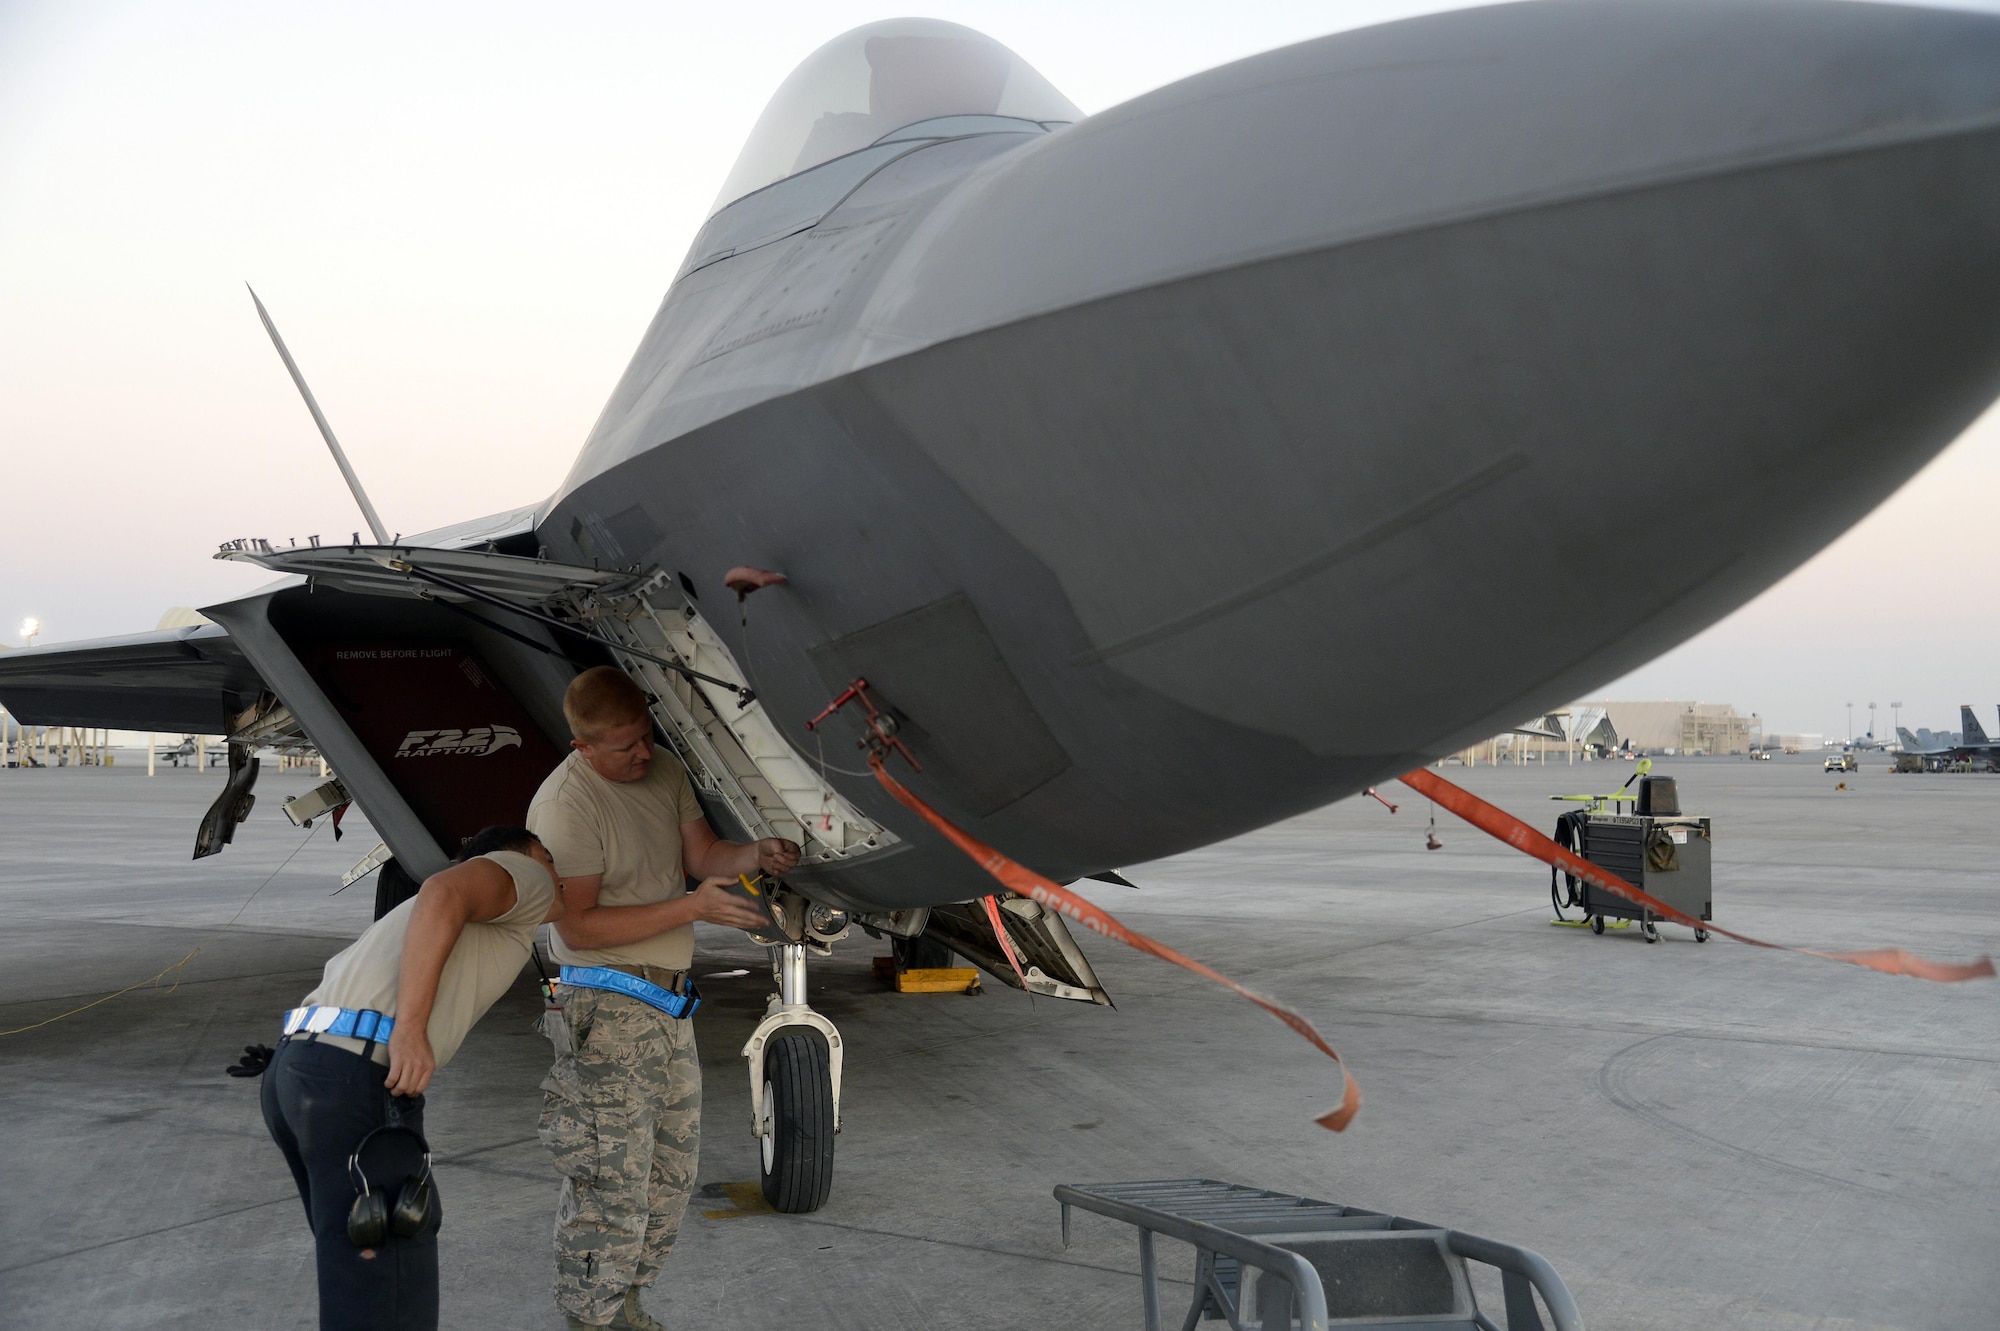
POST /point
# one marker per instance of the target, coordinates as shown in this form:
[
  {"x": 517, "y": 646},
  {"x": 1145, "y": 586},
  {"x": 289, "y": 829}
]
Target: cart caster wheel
[
  {"x": 1701, "y": 935},
  {"x": 1597, "y": 924},
  {"x": 1649, "y": 931}
]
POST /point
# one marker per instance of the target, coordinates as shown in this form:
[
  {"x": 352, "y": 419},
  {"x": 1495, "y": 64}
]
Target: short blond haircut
[{"x": 600, "y": 699}]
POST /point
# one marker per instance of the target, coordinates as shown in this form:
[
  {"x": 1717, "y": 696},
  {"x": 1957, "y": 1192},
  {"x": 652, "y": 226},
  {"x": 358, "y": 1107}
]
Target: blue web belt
[
  {"x": 357, "y": 1023},
  {"x": 618, "y": 982}
]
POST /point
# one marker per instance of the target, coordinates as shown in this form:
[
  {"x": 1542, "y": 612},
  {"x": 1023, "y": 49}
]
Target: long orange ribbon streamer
[
  {"x": 1025, "y": 881},
  {"x": 992, "y": 904},
  {"x": 1506, "y": 827}
]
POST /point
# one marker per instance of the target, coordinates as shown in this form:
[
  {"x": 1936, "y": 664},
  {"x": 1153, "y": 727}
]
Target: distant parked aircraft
[
  {"x": 1975, "y": 743},
  {"x": 187, "y": 748},
  {"x": 1928, "y": 746},
  {"x": 1970, "y": 745}
]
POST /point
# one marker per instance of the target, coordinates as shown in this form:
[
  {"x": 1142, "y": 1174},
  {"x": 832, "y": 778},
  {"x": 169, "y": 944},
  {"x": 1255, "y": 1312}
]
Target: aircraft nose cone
[{"x": 1461, "y": 364}]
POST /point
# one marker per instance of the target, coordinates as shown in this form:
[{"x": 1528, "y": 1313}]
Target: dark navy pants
[{"x": 319, "y": 1102}]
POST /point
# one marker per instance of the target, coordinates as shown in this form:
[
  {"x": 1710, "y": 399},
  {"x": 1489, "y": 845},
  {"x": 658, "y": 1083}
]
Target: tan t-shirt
[
  {"x": 629, "y": 831},
  {"x": 484, "y": 961}
]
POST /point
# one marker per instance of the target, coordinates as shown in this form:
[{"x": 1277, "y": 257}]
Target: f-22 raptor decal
[{"x": 477, "y": 742}]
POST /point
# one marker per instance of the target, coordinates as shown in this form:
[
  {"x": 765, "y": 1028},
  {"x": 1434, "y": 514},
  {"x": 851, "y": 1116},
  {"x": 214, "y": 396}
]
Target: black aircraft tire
[
  {"x": 921, "y": 953},
  {"x": 392, "y": 888},
  {"x": 798, "y": 1167}
]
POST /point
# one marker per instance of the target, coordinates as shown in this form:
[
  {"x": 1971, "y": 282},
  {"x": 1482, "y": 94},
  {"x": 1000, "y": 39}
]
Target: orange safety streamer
[
  {"x": 1505, "y": 826},
  {"x": 1025, "y": 881},
  {"x": 992, "y": 904}
]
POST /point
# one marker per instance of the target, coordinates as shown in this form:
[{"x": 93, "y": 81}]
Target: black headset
[{"x": 373, "y": 1217}]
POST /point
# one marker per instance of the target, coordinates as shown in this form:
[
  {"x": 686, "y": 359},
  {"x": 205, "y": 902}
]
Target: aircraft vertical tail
[
  {"x": 1975, "y": 734},
  {"x": 1911, "y": 744}
]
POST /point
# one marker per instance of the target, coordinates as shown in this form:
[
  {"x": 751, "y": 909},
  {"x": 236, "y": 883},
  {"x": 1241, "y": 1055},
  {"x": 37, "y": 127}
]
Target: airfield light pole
[
  {"x": 31, "y": 629},
  {"x": 1850, "y": 725},
  {"x": 1896, "y": 718}
]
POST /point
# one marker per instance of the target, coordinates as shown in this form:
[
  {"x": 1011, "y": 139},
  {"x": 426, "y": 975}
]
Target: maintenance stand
[{"x": 1316, "y": 1265}]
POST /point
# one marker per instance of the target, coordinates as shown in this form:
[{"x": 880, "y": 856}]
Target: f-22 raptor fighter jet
[{"x": 1162, "y": 473}]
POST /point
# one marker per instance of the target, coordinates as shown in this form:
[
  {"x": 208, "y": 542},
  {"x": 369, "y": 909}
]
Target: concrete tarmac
[{"x": 1695, "y": 1135}]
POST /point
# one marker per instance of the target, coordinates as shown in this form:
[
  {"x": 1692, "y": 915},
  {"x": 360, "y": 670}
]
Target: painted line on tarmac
[
  {"x": 184, "y": 984},
  {"x": 1613, "y": 1083},
  {"x": 291, "y": 1197},
  {"x": 1475, "y": 1018}
]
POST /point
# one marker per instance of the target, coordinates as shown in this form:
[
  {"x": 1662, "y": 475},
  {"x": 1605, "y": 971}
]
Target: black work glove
[{"x": 256, "y": 1057}]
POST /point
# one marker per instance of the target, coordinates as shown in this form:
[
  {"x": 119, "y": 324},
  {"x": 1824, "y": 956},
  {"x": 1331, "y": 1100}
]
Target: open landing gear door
[
  {"x": 1055, "y": 965},
  {"x": 232, "y": 806}
]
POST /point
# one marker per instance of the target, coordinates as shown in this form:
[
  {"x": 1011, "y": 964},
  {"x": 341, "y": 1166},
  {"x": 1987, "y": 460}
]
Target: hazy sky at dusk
[{"x": 462, "y": 217}]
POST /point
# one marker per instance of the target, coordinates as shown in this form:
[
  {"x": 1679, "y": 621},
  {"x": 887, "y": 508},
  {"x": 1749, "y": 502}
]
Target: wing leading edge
[{"x": 184, "y": 680}]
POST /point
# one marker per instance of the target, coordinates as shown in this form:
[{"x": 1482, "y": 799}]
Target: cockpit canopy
[{"x": 879, "y": 78}]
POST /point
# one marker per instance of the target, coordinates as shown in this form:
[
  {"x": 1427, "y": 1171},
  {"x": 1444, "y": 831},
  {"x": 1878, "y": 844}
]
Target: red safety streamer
[
  {"x": 992, "y": 904},
  {"x": 1028, "y": 883},
  {"x": 1506, "y": 827}
]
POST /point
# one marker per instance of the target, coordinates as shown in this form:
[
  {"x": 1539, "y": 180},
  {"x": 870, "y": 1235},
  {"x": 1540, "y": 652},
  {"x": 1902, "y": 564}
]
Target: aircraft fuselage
[{"x": 1268, "y": 435}]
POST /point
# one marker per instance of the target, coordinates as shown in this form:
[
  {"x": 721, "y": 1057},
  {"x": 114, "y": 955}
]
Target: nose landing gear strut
[{"x": 794, "y": 1056}]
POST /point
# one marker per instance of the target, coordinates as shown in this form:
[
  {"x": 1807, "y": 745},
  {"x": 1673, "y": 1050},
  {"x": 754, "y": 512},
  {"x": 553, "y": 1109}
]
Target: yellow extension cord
[{"x": 155, "y": 979}]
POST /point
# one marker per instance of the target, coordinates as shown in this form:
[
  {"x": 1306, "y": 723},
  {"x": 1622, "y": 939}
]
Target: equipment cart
[
  {"x": 1656, "y": 848},
  {"x": 1269, "y": 1261}
]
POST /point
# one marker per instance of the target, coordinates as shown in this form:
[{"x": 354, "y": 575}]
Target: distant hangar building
[{"x": 1681, "y": 727}]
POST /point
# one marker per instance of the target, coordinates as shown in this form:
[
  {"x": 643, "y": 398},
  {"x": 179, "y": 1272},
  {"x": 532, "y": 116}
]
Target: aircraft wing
[{"x": 183, "y": 680}]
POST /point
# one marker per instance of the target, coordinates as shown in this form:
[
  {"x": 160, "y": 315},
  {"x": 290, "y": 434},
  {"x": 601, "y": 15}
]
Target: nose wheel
[
  {"x": 795, "y": 1057},
  {"x": 797, "y": 1124}
]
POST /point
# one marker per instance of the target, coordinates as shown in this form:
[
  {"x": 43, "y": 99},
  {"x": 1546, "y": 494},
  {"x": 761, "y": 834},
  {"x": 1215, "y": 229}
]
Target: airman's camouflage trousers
[{"x": 622, "y": 1119}]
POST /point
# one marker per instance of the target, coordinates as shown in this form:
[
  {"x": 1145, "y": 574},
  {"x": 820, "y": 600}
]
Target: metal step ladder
[{"x": 1271, "y": 1261}]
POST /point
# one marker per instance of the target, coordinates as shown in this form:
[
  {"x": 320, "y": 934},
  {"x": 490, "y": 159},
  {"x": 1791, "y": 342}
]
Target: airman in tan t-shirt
[
  {"x": 348, "y": 1113},
  {"x": 481, "y": 965},
  {"x": 627, "y": 834}
]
